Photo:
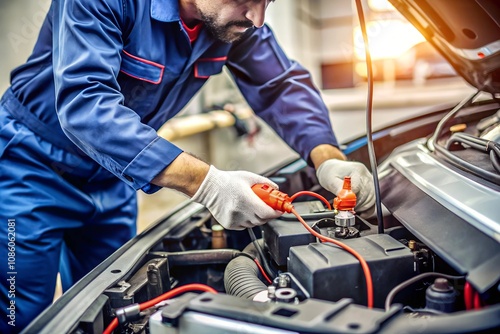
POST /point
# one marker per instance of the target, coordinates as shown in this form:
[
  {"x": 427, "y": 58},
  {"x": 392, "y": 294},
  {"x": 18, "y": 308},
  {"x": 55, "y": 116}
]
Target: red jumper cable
[{"x": 282, "y": 202}]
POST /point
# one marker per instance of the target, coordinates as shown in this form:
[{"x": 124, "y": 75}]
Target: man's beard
[{"x": 224, "y": 33}]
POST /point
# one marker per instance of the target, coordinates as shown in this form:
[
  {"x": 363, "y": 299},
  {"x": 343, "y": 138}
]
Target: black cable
[
  {"x": 407, "y": 283},
  {"x": 470, "y": 138},
  {"x": 432, "y": 142},
  {"x": 479, "y": 144},
  {"x": 474, "y": 142},
  {"x": 473, "y": 139},
  {"x": 462, "y": 164},
  {"x": 369, "y": 109},
  {"x": 495, "y": 158},
  {"x": 262, "y": 259}
]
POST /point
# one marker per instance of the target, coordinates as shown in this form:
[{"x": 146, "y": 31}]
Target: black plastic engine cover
[
  {"x": 282, "y": 233},
  {"x": 279, "y": 235},
  {"x": 328, "y": 272}
]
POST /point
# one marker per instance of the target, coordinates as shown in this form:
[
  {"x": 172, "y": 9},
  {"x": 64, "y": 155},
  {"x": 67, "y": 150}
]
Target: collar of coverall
[{"x": 165, "y": 10}]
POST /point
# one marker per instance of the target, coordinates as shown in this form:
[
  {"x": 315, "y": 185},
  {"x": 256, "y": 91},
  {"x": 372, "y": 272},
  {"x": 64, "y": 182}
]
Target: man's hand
[
  {"x": 331, "y": 168},
  {"x": 229, "y": 197},
  {"x": 331, "y": 177}
]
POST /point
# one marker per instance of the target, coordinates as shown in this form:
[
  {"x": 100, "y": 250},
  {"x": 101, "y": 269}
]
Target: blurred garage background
[{"x": 324, "y": 36}]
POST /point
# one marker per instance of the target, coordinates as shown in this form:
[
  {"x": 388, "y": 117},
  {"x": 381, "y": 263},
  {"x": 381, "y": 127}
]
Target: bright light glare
[
  {"x": 380, "y": 5},
  {"x": 388, "y": 39}
]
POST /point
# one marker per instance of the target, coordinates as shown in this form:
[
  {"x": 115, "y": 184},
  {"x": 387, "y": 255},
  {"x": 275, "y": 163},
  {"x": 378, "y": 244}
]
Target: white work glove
[
  {"x": 228, "y": 195},
  {"x": 331, "y": 177}
]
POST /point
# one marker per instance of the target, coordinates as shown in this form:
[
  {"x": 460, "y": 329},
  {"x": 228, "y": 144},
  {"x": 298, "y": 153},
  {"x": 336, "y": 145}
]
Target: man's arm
[
  {"x": 228, "y": 195},
  {"x": 184, "y": 174},
  {"x": 281, "y": 92},
  {"x": 324, "y": 152},
  {"x": 87, "y": 39}
]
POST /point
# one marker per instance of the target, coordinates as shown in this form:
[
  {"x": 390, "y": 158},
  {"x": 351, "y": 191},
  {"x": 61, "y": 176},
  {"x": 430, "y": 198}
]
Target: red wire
[
  {"x": 477, "y": 301},
  {"x": 262, "y": 271},
  {"x": 111, "y": 327},
  {"x": 313, "y": 194},
  {"x": 364, "y": 265},
  {"x": 167, "y": 295},
  {"x": 472, "y": 298},
  {"x": 468, "y": 296},
  {"x": 175, "y": 292}
]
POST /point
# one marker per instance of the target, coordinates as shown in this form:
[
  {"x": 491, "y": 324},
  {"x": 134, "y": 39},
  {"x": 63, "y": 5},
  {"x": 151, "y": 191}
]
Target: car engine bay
[{"x": 435, "y": 266}]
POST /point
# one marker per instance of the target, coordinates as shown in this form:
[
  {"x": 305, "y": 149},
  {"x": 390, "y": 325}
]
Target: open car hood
[{"x": 466, "y": 33}]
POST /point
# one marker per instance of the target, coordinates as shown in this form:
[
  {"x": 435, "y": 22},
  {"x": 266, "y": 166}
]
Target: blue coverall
[{"x": 78, "y": 131}]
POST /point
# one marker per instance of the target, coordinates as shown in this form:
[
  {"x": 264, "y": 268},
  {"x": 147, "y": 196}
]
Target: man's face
[{"x": 227, "y": 20}]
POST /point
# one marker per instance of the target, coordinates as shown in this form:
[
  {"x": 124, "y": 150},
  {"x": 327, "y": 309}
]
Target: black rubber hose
[
  {"x": 474, "y": 142},
  {"x": 495, "y": 156},
  {"x": 432, "y": 142},
  {"x": 198, "y": 257},
  {"x": 460, "y": 163},
  {"x": 241, "y": 276},
  {"x": 479, "y": 144}
]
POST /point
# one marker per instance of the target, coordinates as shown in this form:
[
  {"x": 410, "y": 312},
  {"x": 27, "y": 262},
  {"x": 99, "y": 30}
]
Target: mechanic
[{"x": 78, "y": 131}]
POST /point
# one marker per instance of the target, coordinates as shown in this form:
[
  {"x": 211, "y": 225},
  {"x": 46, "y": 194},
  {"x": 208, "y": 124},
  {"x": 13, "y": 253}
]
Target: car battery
[
  {"x": 281, "y": 234},
  {"x": 329, "y": 272}
]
